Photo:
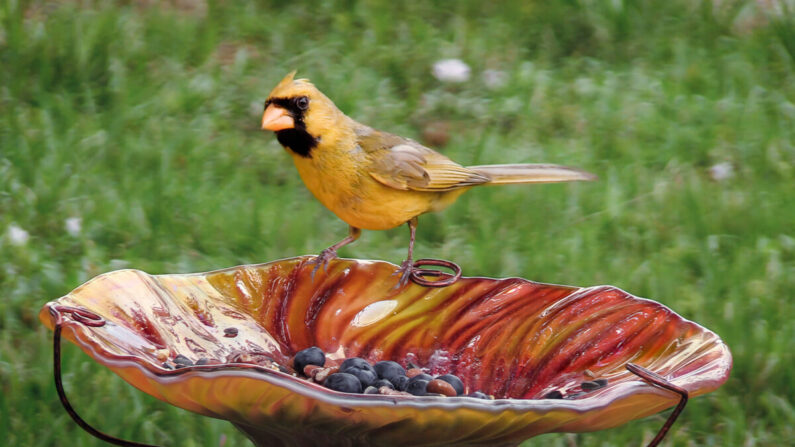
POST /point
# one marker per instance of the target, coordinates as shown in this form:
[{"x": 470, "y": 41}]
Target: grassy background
[{"x": 142, "y": 121}]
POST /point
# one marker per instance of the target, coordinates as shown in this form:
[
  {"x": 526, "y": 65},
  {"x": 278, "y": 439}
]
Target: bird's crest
[
  {"x": 289, "y": 86},
  {"x": 286, "y": 80}
]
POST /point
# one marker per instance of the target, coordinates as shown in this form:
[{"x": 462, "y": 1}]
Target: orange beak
[{"x": 276, "y": 118}]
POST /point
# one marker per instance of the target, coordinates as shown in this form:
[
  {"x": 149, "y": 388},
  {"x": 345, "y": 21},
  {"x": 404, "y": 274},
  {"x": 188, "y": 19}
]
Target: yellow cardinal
[{"x": 375, "y": 180}]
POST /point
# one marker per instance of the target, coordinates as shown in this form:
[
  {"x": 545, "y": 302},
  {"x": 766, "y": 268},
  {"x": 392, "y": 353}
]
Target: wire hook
[
  {"x": 418, "y": 273},
  {"x": 658, "y": 381},
  {"x": 89, "y": 319}
]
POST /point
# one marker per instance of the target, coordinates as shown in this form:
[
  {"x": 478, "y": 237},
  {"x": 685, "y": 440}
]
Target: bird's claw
[
  {"x": 322, "y": 260},
  {"x": 405, "y": 271}
]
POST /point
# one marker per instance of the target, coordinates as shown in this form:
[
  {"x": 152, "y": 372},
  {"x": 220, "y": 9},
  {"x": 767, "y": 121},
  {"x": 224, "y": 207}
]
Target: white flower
[
  {"x": 73, "y": 225},
  {"x": 17, "y": 236},
  {"x": 585, "y": 86},
  {"x": 494, "y": 78},
  {"x": 721, "y": 171},
  {"x": 202, "y": 84},
  {"x": 451, "y": 70}
]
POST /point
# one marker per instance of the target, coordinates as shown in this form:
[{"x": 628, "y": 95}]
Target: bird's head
[{"x": 300, "y": 115}]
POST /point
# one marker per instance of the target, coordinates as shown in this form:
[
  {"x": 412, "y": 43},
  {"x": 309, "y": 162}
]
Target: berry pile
[{"x": 356, "y": 375}]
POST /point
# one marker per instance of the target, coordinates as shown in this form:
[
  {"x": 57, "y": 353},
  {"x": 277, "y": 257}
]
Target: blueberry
[
  {"x": 423, "y": 376},
  {"x": 457, "y": 384},
  {"x": 202, "y": 361},
  {"x": 308, "y": 356},
  {"x": 343, "y": 382},
  {"x": 553, "y": 395},
  {"x": 181, "y": 361},
  {"x": 387, "y": 369},
  {"x": 367, "y": 377},
  {"x": 400, "y": 383},
  {"x": 356, "y": 363},
  {"x": 593, "y": 385},
  {"x": 382, "y": 382},
  {"x": 418, "y": 387},
  {"x": 477, "y": 395},
  {"x": 371, "y": 390}
]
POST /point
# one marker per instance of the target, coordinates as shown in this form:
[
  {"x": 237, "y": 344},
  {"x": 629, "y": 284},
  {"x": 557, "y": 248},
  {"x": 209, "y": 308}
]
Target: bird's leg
[
  {"x": 412, "y": 270},
  {"x": 331, "y": 253},
  {"x": 407, "y": 265}
]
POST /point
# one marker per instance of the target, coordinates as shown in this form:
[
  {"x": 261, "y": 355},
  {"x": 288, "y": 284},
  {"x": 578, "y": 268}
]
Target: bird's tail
[{"x": 531, "y": 173}]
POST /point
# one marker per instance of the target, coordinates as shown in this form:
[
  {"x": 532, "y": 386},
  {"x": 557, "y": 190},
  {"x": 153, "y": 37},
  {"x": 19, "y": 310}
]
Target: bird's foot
[
  {"x": 411, "y": 270},
  {"x": 322, "y": 260},
  {"x": 405, "y": 271}
]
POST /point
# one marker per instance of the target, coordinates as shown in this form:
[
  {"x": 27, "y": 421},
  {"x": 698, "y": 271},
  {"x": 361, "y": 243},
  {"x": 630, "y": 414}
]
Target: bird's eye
[{"x": 302, "y": 102}]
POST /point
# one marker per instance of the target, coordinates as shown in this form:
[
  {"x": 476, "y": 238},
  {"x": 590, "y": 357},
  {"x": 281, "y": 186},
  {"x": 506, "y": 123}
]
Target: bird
[{"x": 375, "y": 180}]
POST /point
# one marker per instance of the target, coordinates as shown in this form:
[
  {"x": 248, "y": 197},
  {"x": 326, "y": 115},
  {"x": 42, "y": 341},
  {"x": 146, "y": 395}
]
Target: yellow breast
[{"x": 346, "y": 189}]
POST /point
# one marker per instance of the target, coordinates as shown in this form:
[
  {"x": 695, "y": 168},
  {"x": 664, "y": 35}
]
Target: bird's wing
[{"x": 403, "y": 164}]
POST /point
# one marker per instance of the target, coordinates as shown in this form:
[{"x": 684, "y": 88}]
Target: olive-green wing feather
[{"x": 403, "y": 164}]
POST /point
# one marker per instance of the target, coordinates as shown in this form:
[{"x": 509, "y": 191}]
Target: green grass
[{"x": 143, "y": 122}]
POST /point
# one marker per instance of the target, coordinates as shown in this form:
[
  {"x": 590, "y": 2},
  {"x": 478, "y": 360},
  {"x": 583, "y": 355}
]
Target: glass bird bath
[{"x": 512, "y": 338}]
